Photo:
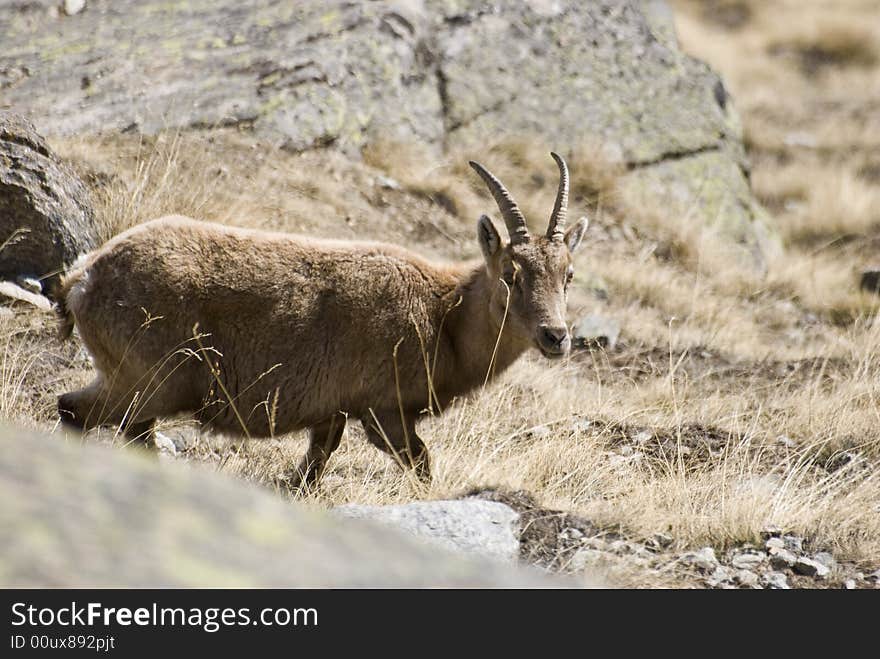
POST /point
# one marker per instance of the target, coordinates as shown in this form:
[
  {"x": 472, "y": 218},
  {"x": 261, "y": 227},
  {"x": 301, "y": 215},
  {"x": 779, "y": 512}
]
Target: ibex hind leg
[
  {"x": 397, "y": 437},
  {"x": 94, "y": 406},
  {"x": 81, "y": 409}
]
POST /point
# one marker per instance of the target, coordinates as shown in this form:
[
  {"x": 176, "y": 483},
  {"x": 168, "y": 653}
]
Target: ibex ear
[
  {"x": 576, "y": 233},
  {"x": 487, "y": 235}
]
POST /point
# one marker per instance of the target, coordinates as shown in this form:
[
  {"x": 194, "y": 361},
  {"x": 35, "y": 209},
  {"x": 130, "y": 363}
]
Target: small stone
[
  {"x": 747, "y": 578},
  {"x": 825, "y": 558},
  {"x": 704, "y": 559},
  {"x": 720, "y": 576},
  {"x": 538, "y": 432},
  {"x": 164, "y": 443},
  {"x": 747, "y": 561},
  {"x": 581, "y": 426},
  {"x": 595, "y": 330},
  {"x": 850, "y": 584},
  {"x": 387, "y": 183},
  {"x": 771, "y": 531},
  {"x": 30, "y": 284},
  {"x": 661, "y": 540},
  {"x": 810, "y": 568},
  {"x": 775, "y": 580},
  {"x": 782, "y": 558},
  {"x": 585, "y": 558},
  {"x": 72, "y": 7},
  {"x": 774, "y": 543},
  {"x": 786, "y": 441},
  {"x": 13, "y": 294},
  {"x": 619, "y": 546},
  {"x": 643, "y": 437},
  {"x": 800, "y": 139},
  {"x": 573, "y": 534},
  {"x": 793, "y": 543}
]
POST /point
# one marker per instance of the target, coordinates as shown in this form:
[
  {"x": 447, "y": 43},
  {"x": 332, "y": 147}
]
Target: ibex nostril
[{"x": 553, "y": 336}]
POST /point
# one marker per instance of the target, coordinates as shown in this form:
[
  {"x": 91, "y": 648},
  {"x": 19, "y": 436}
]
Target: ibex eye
[{"x": 509, "y": 274}]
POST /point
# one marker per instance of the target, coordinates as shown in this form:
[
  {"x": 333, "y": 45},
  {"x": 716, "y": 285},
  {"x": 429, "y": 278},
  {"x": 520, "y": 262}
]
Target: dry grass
[{"x": 732, "y": 402}]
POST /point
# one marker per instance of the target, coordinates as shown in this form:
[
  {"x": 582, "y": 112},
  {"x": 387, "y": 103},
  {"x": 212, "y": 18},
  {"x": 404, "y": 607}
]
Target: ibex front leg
[
  {"x": 324, "y": 438},
  {"x": 397, "y": 437}
]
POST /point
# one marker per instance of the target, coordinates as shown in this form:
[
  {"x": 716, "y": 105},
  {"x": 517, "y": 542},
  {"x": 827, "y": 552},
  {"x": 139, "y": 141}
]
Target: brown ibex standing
[{"x": 261, "y": 333}]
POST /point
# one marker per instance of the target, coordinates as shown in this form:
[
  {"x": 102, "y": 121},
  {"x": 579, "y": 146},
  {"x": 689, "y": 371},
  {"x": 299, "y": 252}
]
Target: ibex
[{"x": 258, "y": 333}]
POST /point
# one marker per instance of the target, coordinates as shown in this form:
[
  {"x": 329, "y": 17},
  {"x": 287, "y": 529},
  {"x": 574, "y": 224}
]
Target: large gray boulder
[
  {"x": 46, "y": 214},
  {"x": 441, "y": 72},
  {"x": 88, "y": 515}
]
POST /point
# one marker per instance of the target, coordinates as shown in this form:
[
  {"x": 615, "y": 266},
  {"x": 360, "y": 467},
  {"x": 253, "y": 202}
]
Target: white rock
[
  {"x": 30, "y": 284},
  {"x": 13, "y": 293},
  {"x": 786, "y": 441},
  {"x": 164, "y": 443},
  {"x": 586, "y": 558},
  {"x": 72, "y": 7},
  {"x": 793, "y": 543},
  {"x": 720, "y": 576},
  {"x": 747, "y": 578},
  {"x": 810, "y": 568},
  {"x": 776, "y": 580},
  {"x": 800, "y": 138},
  {"x": 747, "y": 561},
  {"x": 643, "y": 436},
  {"x": 574, "y": 534},
  {"x": 782, "y": 558},
  {"x": 704, "y": 559},
  {"x": 582, "y": 426},
  {"x": 387, "y": 182},
  {"x": 774, "y": 543},
  {"x": 596, "y": 330},
  {"x": 472, "y": 526},
  {"x": 539, "y": 432}
]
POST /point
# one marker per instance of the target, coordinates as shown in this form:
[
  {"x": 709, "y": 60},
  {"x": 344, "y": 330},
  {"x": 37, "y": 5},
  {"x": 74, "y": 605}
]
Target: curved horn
[
  {"x": 513, "y": 217},
  {"x": 560, "y": 208}
]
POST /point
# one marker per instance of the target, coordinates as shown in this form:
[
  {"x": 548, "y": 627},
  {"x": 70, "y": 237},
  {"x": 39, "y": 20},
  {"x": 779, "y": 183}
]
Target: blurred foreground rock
[
  {"x": 86, "y": 515},
  {"x": 606, "y": 73},
  {"x": 46, "y": 216}
]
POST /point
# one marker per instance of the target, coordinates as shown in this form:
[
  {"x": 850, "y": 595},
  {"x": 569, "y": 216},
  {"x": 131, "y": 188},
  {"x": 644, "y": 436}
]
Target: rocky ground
[{"x": 566, "y": 543}]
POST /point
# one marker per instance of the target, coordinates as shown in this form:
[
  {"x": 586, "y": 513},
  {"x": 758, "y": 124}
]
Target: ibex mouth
[{"x": 552, "y": 353}]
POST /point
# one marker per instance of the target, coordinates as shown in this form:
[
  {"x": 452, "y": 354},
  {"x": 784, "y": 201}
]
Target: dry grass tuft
[{"x": 827, "y": 41}]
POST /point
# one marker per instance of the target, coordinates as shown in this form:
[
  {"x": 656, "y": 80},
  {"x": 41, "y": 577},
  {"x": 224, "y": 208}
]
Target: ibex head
[{"x": 532, "y": 272}]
